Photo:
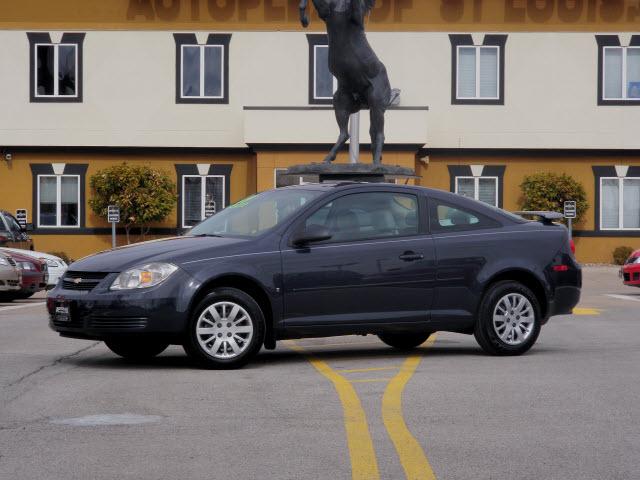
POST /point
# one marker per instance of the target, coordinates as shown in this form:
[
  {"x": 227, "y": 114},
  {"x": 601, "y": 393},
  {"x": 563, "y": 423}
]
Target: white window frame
[
  {"x": 620, "y": 203},
  {"x": 203, "y": 194},
  {"x": 202, "y": 70},
  {"x": 477, "y": 49},
  {"x": 315, "y": 75},
  {"x": 59, "y": 201},
  {"x": 476, "y": 186},
  {"x": 56, "y": 66},
  {"x": 624, "y": 96}
]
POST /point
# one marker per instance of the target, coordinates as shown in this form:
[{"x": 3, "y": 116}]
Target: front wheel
[
  {"x": 136, "y": 350},
  {"x": 404, "y": 341},
  {"x": 226, "y": 330},
  {"x": 509, "y": 319}
]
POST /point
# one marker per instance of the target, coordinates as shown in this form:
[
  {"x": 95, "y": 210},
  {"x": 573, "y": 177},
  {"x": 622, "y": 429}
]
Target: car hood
[
  {"x": 173, "y": 250},
  {"x": 31, "y": 253}
]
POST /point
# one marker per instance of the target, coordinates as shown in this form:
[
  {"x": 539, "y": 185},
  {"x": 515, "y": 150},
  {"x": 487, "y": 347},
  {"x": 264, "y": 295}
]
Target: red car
[
  {"x": 630, "y": 271},
  {"x": 34, "y": 275}
]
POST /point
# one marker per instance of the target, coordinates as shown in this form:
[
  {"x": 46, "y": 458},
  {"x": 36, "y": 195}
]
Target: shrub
[
  {"x": 63, "y": 255},
  {"x": 620, "y": 254},
  {"x": 549, "y": 191},
  {"x": 143, "y": 194}
]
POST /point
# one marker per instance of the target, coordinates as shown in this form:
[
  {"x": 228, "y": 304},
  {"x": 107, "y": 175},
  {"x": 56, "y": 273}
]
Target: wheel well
[
  {"x": 527, "y": 279},
  {"x": 249, "y": 287}
]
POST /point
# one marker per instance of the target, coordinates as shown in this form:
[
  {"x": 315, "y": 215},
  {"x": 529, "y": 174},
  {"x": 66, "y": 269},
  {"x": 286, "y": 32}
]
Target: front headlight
[
  {"x": 51, "y": 263},
  {"x": 3, "y": 261},
  {"x": 26, "y": 266},
  {"x": 144, "y": 276}
]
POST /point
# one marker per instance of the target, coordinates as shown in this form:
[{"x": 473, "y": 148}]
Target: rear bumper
[{"x": 565, "y": 300}]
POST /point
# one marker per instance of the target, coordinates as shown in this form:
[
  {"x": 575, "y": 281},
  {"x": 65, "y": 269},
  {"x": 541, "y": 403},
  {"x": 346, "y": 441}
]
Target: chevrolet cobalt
[{"x": 399, "y": 262}]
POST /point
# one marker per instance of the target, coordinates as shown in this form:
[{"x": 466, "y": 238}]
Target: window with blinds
[
  {"x": 202, "y": 196},
  {"x": 620, "y": 203},
  {"x": 58, "y": 201},
  {"x": 484, "y": 189},
  {"x": 478, "y": 75},
  {"x": 621, "y": 73}
]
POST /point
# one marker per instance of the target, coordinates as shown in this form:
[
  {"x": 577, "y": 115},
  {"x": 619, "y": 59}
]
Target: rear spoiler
[{"x": 545, "y": 217}]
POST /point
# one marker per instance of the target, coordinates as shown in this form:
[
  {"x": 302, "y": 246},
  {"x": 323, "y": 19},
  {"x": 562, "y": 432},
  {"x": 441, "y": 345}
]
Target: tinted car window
[
  {"x": 450, "y": 218},
  {"x": 364, "y": 216},
  {"x": 13, "y": 224}
]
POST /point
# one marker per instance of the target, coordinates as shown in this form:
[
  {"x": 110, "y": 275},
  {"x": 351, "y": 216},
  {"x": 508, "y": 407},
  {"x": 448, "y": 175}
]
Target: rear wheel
[
  {"x": 404, "y": 341},
  {"x": 509, "y": 319},
  {"x": 226, "y": 330},
  {"x": 136, "y": 350}
]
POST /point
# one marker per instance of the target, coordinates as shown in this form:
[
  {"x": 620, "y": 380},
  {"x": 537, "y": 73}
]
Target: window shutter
[
  {"x": 631, "y": 214},
  {"x": 610, "y": 203},
  {"x": 467, "y": 72},
  {"x": 487, "y": 190},
  {"x": 488, "y": 72},
  {"x": 613, "y": 73}
]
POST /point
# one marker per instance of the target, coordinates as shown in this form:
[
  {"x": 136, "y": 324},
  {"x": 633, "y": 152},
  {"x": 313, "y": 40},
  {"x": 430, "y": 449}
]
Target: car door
[
  {"x": 378, "y": 267},
  {"x": 6, "y": 236},
  {"x": 465, "y": 241}
]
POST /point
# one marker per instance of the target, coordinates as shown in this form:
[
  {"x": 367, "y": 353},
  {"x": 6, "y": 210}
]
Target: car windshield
[{"x": 256, "y": 214}]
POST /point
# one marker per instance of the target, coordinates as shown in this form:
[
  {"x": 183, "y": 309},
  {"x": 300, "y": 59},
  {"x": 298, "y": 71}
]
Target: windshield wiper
[{"x": 206, "y": 235}]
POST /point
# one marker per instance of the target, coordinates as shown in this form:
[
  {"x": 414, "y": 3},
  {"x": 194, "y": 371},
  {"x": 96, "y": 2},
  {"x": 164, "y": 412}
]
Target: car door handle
[{"x": 411, "y": 256}]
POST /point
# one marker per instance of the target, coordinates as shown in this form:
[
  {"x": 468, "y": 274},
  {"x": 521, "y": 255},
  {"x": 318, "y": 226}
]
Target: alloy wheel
[
  {"x": 224, "y": 330},
  {"x": 513, "y": 318}
]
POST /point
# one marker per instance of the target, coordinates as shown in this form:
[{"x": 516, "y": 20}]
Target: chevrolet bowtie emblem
[{"x": 77, "y": 280}]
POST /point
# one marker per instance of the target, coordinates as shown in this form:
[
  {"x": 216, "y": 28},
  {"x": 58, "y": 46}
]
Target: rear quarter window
[{"x": 447, "y": 217}]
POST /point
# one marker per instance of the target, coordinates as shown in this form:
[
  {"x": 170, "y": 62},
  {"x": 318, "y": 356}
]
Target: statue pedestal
[{"x": 354, "y": 172}]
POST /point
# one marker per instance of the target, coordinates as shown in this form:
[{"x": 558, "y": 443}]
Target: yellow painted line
[
  {"x": 364, "y": 465},
  {"x": 371, "y": 380},
  {"x": 412, "y": 457},
  {"x": 586, "y": 311},
  {"x": 373, "y": 369}
]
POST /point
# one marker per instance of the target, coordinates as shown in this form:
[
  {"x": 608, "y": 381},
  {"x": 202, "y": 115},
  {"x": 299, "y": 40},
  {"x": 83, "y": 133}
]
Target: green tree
[
  {"x": 143, "y": 194},
  {"x": 549, "y": 191}
]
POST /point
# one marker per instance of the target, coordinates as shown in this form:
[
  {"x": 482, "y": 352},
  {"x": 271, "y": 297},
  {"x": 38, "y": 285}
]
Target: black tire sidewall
[
  {"x": 192, "y": 345},
  {"x": 484, "y": 331}
]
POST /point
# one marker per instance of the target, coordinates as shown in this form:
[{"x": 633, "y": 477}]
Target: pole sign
[
  {"x": 570, "y": 209},
  {"x": 113, "y": 214},
  {"x": 22, "y": 217}
]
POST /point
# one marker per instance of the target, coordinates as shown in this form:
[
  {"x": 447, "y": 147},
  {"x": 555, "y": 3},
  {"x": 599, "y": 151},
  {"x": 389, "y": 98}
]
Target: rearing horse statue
[{"x": 362, "y": 77}]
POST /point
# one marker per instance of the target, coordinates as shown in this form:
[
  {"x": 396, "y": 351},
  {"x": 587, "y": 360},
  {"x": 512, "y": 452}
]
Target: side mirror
[{"x": 313, "y": 233}]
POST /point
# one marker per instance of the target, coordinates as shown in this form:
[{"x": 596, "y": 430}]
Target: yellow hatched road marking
[
  {"x": 364, "y": 465},
  {"x": 586, "y": 311},
  {"x": 373, "y": 369},
  {"x": 412, "y": 457},
  {"x": 371, "y": 380}
]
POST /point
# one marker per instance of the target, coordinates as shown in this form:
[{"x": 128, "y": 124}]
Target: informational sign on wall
[
  {"x": 570, "y": 209},
  {"x": 22, "y": 217},
  {"x": 209, "y": 209}
]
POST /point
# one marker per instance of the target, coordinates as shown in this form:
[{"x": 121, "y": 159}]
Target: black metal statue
[{"x": 362, "y": 77}]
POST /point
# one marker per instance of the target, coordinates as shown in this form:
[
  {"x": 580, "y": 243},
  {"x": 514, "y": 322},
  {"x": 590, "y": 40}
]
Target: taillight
[
  {"x": 560, "y": 268},
  {"x": 572, "y": 245}
]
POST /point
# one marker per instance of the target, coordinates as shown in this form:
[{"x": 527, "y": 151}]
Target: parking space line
[
  {"x": 412, "y": 457},
  {"x": 374, "y": 369},
  {"x": 624, "y": 297},
  {"x": 364, "y": 465},
  {"x": 586, "y": 311},
  {"x": 25, "y": 305},
  {"x": 371, "y": 380}
]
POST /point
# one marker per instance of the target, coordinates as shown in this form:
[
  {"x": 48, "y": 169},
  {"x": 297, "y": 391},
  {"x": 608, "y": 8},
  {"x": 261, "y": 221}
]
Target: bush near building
[
  {"x": 548, "y": 191},
  {"x": 620, "y": 255},
  {"x": 143, "y": 194}
]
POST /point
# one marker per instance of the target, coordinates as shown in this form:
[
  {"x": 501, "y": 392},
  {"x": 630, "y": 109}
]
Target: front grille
[
  {"x": 627, "y": 277},
  {"x": 117, "y": 323},
  {"x": 13, "y": 283},
  {"x": 636, "y": 276},
  {"x": 83, "y": 281},
  {"x": 11, "y": 261}
]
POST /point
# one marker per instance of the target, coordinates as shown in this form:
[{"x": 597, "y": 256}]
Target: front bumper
[
  {"x": 631, "y": 275},
  {"x": 102, "y": 313}
]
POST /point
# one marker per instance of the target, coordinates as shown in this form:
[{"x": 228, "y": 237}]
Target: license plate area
[{"x": 62, "y": 312}]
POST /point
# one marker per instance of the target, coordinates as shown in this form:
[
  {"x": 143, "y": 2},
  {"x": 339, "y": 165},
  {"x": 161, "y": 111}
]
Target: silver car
[{"x": 10, "y": 276}]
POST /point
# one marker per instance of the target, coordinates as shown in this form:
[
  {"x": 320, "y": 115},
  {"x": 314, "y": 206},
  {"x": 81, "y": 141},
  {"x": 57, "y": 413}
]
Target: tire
[
  {"x": 7, "y": 297},
  {"x": 226, "y": 330},
  {"x": 136, "y": 350},
  {"x": 24, "y": 295},
  {"x": 404, "y": 341},
  {"x": 513, "y": 333}
]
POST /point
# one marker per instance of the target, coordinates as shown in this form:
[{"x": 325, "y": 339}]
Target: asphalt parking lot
[{"x": 339, "y": 408}]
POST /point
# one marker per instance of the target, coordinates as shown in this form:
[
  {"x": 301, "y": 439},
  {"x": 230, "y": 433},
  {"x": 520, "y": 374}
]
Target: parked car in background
[
  {"x": 10, "y": 277},
  {"x": 34, "y": 275},
  {"x": 56, "y": 266},
  {"x": 12, "y": 235},
  {"x": 318, "y": 260},
  {"x": 630, "y": 271}
]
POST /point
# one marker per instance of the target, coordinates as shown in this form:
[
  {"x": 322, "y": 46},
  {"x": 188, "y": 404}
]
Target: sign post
[
  {"x": 570, "y": 211},
  {"x": 113, "y": 216},
  {"x": 21, "y": 217}
]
